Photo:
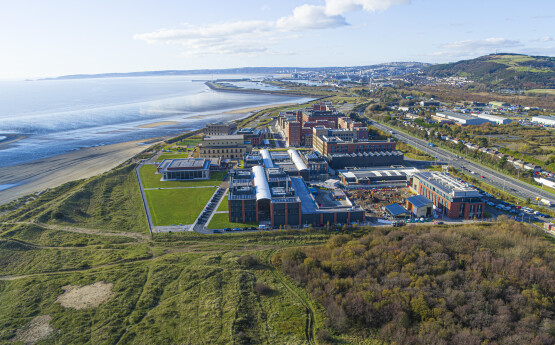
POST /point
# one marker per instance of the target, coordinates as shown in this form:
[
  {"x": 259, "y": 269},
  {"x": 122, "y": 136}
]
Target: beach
[{"x": 51, "y": 172}]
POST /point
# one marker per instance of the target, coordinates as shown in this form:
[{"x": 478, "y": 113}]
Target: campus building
[
  {"x": 366, "y": 159},
  {"x": 271, "y": 196},
  {"x": 184, "y": 169},
  {"x": 224, "y": 146},
  {"x": 253, "y": 135},
  {"x": 220, "y": 128},
  {"x": 451, "y": 197},
  {"x": 372, "y": 178},
  {"x": 297, "y": 126},
  {"x": 327, "y": 145}
]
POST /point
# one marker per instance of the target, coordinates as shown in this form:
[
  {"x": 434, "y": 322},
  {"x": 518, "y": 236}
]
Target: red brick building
[
  {"x": 451, "y": 197},
  {"x": 327, "y": 145}
]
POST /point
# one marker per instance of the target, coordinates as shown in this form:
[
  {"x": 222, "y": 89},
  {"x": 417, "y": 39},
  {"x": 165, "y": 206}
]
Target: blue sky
[{"x": 57, "y": 37}]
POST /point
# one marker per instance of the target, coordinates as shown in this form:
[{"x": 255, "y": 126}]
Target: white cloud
[
  {"x": 310, "y": 17},
  {"x": 485, "y": 44},
  {"x": 335, "y": 7},
  {"x": 546, "y": 39},
  {"x": 255, "y": 36}
]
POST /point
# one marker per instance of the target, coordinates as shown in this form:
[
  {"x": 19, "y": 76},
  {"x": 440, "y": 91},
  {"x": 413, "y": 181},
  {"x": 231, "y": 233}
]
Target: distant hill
[
  {"x": 249, "y": 70},
  {"x": 502, "y": 71}
]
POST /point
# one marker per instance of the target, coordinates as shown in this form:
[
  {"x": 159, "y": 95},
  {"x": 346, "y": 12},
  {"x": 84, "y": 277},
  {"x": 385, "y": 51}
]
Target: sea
[{"x": 57, "y": 116}]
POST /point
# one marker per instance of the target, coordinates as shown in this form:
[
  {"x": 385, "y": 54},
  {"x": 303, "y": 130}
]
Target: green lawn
[
  {"x": 224, "y": 206},
  {"x": 220, "y": 221},
  {"x": 152, "y": 180},
  {"x": 189, "y": 142},
  {"x": 168, "y": 155},
  {"x": 177, "y": 206},
  {"x": 548, "y": 91}
]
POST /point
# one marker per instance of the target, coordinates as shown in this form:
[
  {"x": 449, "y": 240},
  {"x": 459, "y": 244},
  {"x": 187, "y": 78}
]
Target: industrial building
[
  {"x": 451, "y": 197},
  {"x": 270, "y": 196},
  {"x": 461, "y": 119},
  {"x": 184, "y": 169},
  {"x": 365, "y": 159},
  {"x": 420, "y": 206},
  {"x": 496, "y": 120},
  {"x": 376, "y": 177},
  {"x": 546, "y": 120},
  {"x": 225, "y": 146}
]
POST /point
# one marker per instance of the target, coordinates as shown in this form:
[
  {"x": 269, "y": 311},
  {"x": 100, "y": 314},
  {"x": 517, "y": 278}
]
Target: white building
[
  {"x": 546, "y": 120},
  {"x": 497, "y": 120},
  {"x": 461, "y": 119}
]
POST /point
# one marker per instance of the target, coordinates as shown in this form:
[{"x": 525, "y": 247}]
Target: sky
[{"x": 48, "y": 38}]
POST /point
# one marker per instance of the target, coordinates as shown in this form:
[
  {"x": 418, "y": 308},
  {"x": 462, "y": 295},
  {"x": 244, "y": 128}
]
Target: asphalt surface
[{"x": 491, "y": 177}]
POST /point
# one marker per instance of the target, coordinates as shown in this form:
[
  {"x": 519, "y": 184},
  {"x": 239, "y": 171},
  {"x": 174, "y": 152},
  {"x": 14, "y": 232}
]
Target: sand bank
[
  {"x": 158, "y": 124},
  {"x": 51, "y": 172}
]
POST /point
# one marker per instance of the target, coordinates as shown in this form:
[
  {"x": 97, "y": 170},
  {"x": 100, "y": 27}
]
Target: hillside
[
  {"x": 78, "y": 266},
  {"x": 502, "y": 71}
]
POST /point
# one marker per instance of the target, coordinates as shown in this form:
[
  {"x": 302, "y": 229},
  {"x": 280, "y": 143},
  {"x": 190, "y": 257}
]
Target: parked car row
[{"x": 210, "y": 206}]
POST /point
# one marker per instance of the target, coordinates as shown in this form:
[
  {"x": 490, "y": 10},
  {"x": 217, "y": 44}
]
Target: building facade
[
  {"x": 224, "y": 146},
  {"x": 452, "y": 198},
  {"x": 184, "y": 169},
  {"x": 220, "y": 128},
  {"x": 327, "y": 145}
]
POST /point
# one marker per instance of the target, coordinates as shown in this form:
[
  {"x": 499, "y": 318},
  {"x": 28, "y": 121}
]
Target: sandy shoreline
[
  {"x": 54, "y": 171},
  {"x": 51, "y": 172}
]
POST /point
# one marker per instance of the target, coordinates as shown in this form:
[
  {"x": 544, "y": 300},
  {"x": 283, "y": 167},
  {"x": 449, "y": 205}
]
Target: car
[
  {"x": 252, "y": 228},
  {"x": 236, "y": 229},
  {"x": 217, "y": 231},
  {"x": 227, "y": 229}
]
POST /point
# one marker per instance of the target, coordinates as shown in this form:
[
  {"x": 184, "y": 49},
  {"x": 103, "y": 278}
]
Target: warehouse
[
  {"x": 496, "y": 120},
  {"x": 461, "y": 119},
  {"x": 376, "y": 177},
  {"x": 420, "y": 206},
  {"x": 545, "y": 120}
]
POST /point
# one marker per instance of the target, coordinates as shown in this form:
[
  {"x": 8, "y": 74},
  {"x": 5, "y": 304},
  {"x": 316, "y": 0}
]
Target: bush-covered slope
[
  {"x": 502, "y": 70},
  {"x": 434, "y": 285}
]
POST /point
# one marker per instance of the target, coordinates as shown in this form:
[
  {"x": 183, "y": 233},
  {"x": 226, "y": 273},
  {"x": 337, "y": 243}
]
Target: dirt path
[{"x": 310, "y": 314}]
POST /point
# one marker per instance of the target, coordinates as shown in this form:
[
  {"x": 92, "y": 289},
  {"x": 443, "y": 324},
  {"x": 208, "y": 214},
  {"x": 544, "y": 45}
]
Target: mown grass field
[
  {"x": 172, "y": 156},
  {"x": 224, "y": 205},
  {"x": 221, "y": 221},
  {"x": 177, "y": 206},
  {"x": 152, "y": 180}
]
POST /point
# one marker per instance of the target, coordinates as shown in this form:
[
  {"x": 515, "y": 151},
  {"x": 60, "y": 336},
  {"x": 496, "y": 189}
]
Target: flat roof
[
  {"x": 395, "y": 209},
  {"x": 187, "y": 163},
  {"x": 448, "y": 184},
  {"x": 223, "y": 137},
  {"x": 376, "y": 173}
]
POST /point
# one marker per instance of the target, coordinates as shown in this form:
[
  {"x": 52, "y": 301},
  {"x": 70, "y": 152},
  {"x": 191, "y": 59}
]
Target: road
[{"x": 492, "y": 177}]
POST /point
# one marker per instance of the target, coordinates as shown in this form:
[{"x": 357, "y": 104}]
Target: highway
[{"x": 492, "y": 177}]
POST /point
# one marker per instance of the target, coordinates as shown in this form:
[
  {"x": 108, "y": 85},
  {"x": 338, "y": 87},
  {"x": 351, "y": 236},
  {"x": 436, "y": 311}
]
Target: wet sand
[
  {"x": 158, "y": 124},
  {"x": 51, "y": 172}
]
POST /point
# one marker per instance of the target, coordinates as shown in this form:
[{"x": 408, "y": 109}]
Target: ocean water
[{"x": 58, "y": 116}]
